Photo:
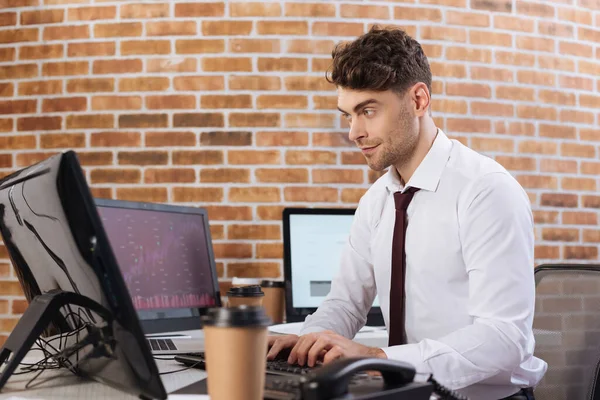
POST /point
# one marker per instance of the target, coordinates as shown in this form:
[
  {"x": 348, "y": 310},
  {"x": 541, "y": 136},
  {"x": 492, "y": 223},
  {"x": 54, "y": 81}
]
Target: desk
[{"x": 63, "y": 385}]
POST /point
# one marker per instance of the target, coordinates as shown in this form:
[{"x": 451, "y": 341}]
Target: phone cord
[{"x": 443, "y": 392}]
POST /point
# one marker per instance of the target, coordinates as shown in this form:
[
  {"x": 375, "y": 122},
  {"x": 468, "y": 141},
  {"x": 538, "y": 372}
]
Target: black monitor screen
[{"x": 163, "y": 256}]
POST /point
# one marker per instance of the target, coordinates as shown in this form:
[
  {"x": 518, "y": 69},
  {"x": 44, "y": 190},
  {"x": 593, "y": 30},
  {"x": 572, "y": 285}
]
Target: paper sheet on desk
[
  {"x": 188, "y": 397},
  {"x": 293, "y": 328}
]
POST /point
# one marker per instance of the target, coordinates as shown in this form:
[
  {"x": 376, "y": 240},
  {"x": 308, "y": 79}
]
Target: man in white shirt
[{"x": 457, "y": 289}]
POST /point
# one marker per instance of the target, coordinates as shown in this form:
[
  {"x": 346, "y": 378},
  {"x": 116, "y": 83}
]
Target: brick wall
[{"x": 224, "y": 105}]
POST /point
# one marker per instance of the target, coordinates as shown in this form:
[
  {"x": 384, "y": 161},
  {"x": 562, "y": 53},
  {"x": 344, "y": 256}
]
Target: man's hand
[
  {"x": 277, "y": 343},
  {"x": 329, "y": 346}
]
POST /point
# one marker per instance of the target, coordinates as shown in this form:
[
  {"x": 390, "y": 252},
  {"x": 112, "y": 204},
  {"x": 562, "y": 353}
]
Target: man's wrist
[{"x": 376, "y": 352}]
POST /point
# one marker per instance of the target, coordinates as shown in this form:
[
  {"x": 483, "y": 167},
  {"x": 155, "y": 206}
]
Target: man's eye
[{"x": 369, "y": 113}]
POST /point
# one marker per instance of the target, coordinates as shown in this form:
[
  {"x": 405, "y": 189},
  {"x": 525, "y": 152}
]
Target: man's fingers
[
  {"x": 333, "y": 354},
  {"x": 322, "y": 344},
  {"x": 279, "y": 344}
]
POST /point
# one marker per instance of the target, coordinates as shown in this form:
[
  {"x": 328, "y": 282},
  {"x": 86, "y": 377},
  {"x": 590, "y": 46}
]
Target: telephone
[{"x": 348, "y": 379}]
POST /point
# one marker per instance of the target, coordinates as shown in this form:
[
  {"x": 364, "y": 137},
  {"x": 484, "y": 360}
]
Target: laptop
[
  {"x": 313, "y": 240},
  {"x": 166, "y": 258}
]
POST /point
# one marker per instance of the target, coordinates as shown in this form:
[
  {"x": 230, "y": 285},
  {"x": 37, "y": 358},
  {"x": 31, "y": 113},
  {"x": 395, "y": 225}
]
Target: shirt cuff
[{"x": 408, "y": 353}]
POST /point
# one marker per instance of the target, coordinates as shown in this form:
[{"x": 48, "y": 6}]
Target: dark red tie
[{"x": 397, "y": 296}]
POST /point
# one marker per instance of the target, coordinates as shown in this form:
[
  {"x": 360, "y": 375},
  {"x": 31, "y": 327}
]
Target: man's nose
[{"x": 357, "y": 131}]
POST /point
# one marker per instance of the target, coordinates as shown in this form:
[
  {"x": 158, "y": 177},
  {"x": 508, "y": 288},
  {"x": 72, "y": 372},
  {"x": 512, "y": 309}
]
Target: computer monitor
[
  {"x": 56, "y": 241},
  {"x": 166, "y": 257},
  {"x": 313, "y": 240}
]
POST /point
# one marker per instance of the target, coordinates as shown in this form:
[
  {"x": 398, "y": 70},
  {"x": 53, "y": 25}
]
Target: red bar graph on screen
[{"x": 178, "y": 301}]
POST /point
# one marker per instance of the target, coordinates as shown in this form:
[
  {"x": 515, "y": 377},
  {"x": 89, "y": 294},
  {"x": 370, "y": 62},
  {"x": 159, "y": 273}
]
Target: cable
[
  {"x": 443, "y": 392},
  {"x": 182, "y": 369}
]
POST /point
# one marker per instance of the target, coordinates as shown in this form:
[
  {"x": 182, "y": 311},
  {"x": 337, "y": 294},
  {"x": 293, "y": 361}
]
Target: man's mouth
[{"x": 368, "y": 149}]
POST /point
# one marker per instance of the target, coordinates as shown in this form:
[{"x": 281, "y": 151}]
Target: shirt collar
[{"x": 428, "y": 173}]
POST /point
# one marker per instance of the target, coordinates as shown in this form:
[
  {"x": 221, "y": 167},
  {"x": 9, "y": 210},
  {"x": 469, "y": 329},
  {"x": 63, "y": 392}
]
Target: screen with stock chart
[{"x": 163, "y": 257}]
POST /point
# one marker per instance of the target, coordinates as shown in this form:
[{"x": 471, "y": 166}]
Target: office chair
[{"x": 566, "y": 327}]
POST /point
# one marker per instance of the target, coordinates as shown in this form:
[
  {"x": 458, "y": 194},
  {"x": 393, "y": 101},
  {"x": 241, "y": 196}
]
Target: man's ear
[{"x": 420, "y": 98}]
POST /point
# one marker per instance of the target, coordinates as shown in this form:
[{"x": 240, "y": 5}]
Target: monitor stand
[{"x": 44, "y": 309}]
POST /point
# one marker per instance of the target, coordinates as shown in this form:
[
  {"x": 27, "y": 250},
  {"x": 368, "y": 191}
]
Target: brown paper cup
[
  {"x": 247, "y": 301},
  {"x": 274, "y": 300},
  {"x": 235, "y": 348}
]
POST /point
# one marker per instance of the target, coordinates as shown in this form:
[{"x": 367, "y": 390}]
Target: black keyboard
[
  {"x": 161, "y": 344},
  {"x": 277, "y": 366}
]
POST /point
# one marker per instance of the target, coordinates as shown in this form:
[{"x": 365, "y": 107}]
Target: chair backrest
[{"x": 567, "y": 330}]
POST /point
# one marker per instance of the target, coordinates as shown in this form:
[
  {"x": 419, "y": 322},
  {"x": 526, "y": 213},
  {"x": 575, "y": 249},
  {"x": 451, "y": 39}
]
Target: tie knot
[{"x": 402, "y": 200}]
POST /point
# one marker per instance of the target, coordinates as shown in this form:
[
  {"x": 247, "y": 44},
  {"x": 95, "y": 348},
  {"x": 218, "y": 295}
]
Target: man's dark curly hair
[{"x": 379, "y": 60}]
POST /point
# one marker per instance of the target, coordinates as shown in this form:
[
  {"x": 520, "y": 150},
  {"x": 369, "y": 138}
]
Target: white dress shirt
[{"x": 470, "y": 288}]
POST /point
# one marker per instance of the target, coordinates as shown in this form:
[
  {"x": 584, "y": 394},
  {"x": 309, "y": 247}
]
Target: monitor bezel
[
  {"x": 165, "y": 325},
  {"x": 298, "y": 314}
]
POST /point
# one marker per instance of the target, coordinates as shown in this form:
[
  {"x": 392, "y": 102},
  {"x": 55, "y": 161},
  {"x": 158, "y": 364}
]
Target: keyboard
[
  {"x": 161, "y": 344},
  {"x": 277, "y": 366}
]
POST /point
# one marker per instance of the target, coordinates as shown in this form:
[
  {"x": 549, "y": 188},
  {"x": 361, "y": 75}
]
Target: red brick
[
  {"x": 92, "y": 13},
  {"x": 492, "y": 5},
  {"x": 591, "y": 236},
  {"x": 118, "y": 30},
  {"x": 227, "y": 64},
  {"x": 226, "y": 101},
  {"x": 215, "y": 9},
  {"x": 510, "y": 58},
  {"x": 66, "y": 32},
  {"x": 143, "y": 84},
  {"x": 41, "y": 52},
  {"x": 226, "y": 138},
  {"x": 281, "y": 101},
  {"x": 320, "y": 10},
  {"x": 310, "y": 46},
  {"x": 467, "y": 19},
  {"x": 38, "y": 123},
  {"x": 591, "y": 201},
  {"x": 199, "y": 157},
  {"x": 27, "y": 159},
  {"x": 557, "y": 97},
  {"x": 139, "y": 47},
  {"x": 18, "y": 106},
  {"x": 18, "y": 71},
  {"x": 579, "y": 218},
  {"x": 588, "y": 68},
  {"x": 229, "y": 213},
  {"x": 269, "y": 212},
  {"x": 538, "y": 181},
  {"x": 89, "y": 158},
  {"x": 479, "y": 37},
  {"x": 573, "y": 14},
  {"x": 148, "y": 194},
  {"x": 449, "y": 3},
  {"x": 560, "y": 234},
  {"x": 14, "y": 142},
  {"x": 515, "y": 93},
  {"x": 197, "y": 194},
  {"x": 359, "y": 11},
  {"x": 199, "y": 46},
  {"x": 492, "y": 74},
  {"x": 590, "y": 35},
  {"x": 577, "y": 150},
  {"x": 468, "y": 90},
  {"x": 535, "y": 9},
  {"x": 305, "y": 120},
  {"x": 514, "y": 23},
  {"x": 170, "y": 138},
  {"x": 253, "y": 270},
  {"x": 468, "y": 125},
  {"x": 337, "y": 176},
  {"x": 285, "y": 138},
  {"x": 558, "y": 131},
  {"x": 353, "y": 158},
  {"x": 170, "y": 102},
  {"x": 301, "y": 28},
  {"x": 260, "y": 194},
  {"x": 254, "y": 9},
  {"x": 204, "y": 120},
  {"x": 145, "y": 10},
  {"x": 8, "y": 54},
  {"x": 226, "y": 28},
  {"x": 203, "y": 83},
  {"x": 143, "y": 120},
  {"x": 560, "y": 166},
  {"x": 8, "y": 18},
  {"x": 225, "y": 175},
  {"x": 116, "y": 103},
  {"x": 517, "y": 163},
  {"x": 91, "y": 49},
  {"x": 249, "y": 157},
  {"x": 310, "y": 194},
  {"x": 492, "y": 109},
  {"x": 90, "y": 121},
  {"x": 254, "y": 45},
  {"x": 438, "y": 33},
  {"x": 85, "y": 85},
  {"x": 171, "y": 28},
  {"x": 575, "y": 49},
  {"x": 282, "y": 175},
  {"x": 590, "y": 168},
  {"x": 492, "y": 144},
  {"x": 548, "y": 28},
  {"x": 545, "y": 217},
  {"x": 65, "y": 68},
  {"x": 536, "y": 78},
  {"x": 269, "y": 250},
  {"x": 536, "y": 112},
  {"x": 53, "y": 16},
  {"x": 284, "y": 64},
  {"x": 115, "y": 175},
  {"x": 116, "y": 139},
  {"x": 583, "y": 184},
  {"x": 62, "y": 104},
  {"x": 232, "y": 250},
  {"x": 580, "y": 117},
  {"x": 581, "y": 253},
  {"x": 297, "y": 157},
  {"x": 468, "y": 54},
  {"x": 238, "y": 119},
  {"x": 546, "y": 252},
  {"x": 589, "y": 134},
  {"x": 557, "y": 63},
  {"x": 258, "y": 232},
  {"x": 156, "y": 65}
]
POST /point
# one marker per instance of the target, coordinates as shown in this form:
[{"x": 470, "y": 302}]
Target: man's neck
[{"x": 426, "y": 138}]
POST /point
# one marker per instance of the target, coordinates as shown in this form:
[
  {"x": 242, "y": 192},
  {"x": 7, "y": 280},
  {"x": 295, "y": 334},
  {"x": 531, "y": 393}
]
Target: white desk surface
[{"x": 63, "y": 385}]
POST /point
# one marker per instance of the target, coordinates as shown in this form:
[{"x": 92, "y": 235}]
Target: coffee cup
[
  {"x": 274, "y": 300},
  {"x": 235, "y": 346},
  {"x": 244, "y": 281},
  {"x": 245, "y": 295}
]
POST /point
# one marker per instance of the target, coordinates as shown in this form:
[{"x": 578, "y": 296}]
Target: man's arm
[
  {"x": 353, "y": 289},
  {"x": 496, "y": 232}
]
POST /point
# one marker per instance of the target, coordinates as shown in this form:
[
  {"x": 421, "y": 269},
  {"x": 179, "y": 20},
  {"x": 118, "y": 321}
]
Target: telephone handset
[{"x": 347, "y": 379}]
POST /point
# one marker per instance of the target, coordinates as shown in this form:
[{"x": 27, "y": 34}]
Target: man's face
[{"x": 382, "y": 124}]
